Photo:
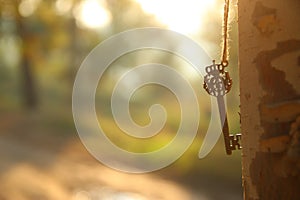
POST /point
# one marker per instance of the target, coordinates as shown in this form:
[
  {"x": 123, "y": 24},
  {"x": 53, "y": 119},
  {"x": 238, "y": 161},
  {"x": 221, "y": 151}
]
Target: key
[{"x": 217, "y": 83}]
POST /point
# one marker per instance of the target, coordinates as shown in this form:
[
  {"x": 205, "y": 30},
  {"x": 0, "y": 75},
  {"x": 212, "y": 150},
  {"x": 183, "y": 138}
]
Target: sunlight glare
[
  {"x": 27, "y": 7},
  {"x": 63, "y": 6},
  {"x": 92, "y": 14},
  {"x": 178, "y": 15}
]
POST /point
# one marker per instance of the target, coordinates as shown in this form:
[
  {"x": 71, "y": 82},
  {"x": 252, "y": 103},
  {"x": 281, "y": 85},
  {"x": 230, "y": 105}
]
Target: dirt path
[
  {"x": 29, "y": 172},
  {"x": 44, "y": 160}
]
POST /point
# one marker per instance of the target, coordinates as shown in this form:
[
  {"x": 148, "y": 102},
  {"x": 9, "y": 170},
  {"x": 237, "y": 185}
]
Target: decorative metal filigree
[{"x": 217, "y": 82}]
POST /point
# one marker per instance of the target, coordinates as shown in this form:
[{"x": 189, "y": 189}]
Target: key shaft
[{"x": 224, "y": 124}]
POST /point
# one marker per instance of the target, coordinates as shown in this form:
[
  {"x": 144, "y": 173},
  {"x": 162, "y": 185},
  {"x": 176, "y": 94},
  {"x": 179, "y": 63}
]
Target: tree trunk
[
  {"x": 27, "y": 76},
  {"x": 28, "y": 86},
  {"x": 269, "y": 57}
]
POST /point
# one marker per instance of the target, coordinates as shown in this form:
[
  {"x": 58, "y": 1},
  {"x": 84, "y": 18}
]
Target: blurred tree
[
  {"x": 53, "y": 42},
  {"x": 28, "y": 81}
]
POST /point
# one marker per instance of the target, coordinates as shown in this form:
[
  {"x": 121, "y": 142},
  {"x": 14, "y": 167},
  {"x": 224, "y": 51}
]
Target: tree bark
[{"x": 269, "y": 57}]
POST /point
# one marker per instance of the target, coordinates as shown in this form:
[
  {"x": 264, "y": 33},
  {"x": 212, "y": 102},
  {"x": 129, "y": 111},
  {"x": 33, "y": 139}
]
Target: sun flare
[
  {"x": 92, "y": 14},
  {"x": 178, "y": 15}
]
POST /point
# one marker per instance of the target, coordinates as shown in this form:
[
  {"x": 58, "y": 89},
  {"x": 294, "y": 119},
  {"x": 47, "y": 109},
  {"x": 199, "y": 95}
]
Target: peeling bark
[{"x": 269, "y": 33}]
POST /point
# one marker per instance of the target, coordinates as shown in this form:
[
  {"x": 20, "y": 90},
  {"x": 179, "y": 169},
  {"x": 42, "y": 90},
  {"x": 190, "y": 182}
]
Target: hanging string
[{"x": 224, "y": 59}]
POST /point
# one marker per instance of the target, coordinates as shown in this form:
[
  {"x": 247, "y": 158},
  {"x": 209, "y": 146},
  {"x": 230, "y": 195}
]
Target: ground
[{"x": 57, "y": 166}]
